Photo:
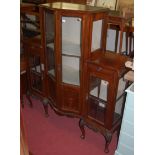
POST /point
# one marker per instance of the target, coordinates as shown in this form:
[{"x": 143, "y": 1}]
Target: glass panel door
[
  {"x": 50, "y": 33},
  {"x": 120, "y": 99},
  {"x": 97, "y": 102},
  {"x": 97, "y": 35},
  {"x": 50, "y": 53},
  {"x": 99, "y": 91},
  {"x": 71, "y": 50}
]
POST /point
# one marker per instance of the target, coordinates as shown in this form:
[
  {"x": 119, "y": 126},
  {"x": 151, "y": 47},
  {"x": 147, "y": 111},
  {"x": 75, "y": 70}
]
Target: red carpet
[{"x": 60, "y": 135}]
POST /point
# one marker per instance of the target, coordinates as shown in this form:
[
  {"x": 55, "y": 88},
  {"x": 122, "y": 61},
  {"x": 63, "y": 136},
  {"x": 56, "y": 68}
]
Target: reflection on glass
[{"x": 120, "y": 96}]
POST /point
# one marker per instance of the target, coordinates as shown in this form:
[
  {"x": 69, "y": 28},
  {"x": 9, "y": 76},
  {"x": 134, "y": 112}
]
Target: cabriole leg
[
  {"x": 108, "y": 137},
  {"x": 81, "y": 125},
  {"x": 45, "y": 104}
]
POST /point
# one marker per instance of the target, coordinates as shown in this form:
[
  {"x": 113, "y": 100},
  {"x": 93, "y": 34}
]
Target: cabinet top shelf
[{"x": 73, "y": 7}]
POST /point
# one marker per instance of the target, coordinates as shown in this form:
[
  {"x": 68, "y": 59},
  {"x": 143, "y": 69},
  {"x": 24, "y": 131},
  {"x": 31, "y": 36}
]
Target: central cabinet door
[
  {"x": 70, "y": 58},
  {"x": 106, "y": 96}
]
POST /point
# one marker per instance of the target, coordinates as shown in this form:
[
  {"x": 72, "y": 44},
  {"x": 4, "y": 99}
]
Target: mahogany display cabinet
[
  {"x": 76, "y": 76},
  {"x": 104, "y": 94},
  {"x": 67, "y": 30}
]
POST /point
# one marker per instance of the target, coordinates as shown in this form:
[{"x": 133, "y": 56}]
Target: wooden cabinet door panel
[{"x": 71, "y": 99}]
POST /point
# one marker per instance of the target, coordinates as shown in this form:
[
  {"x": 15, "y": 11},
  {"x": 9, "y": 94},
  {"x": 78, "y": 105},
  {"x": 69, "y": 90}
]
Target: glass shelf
[
  {"x": 50, "y": 45},
  {"x": 71, "y": 49}
]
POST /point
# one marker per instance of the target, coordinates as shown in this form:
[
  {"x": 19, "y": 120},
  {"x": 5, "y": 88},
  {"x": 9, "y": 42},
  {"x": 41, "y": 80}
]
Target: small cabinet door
[
  {"x": 70, "y": 61},
  {"x": 105, "y": 97}
]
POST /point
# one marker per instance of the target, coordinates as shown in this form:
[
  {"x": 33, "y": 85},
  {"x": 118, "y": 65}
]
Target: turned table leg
[{"x": 81, "y": 125}]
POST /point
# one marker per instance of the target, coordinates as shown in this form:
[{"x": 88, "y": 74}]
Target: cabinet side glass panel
[
  {"x": 97, "y": 102},
  {"x": 120, "y": 99},
  {"x": 71, "y": 49},
  {"x": 97, "y": 35},
  {"x": 50, "y": 52}
]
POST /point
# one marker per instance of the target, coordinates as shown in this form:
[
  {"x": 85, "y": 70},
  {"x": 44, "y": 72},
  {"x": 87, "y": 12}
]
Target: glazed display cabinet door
[
  {"x": 97, "y": 100},
  {"x": 105, "y": 97},
  {"x": 71, "y": 50},
  {"x": 70, "y": 61},
  {"x": 104, "y": 106},
  {"x": 50, "y": 53},
  {"x": 98, "y": 32}
]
